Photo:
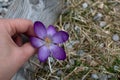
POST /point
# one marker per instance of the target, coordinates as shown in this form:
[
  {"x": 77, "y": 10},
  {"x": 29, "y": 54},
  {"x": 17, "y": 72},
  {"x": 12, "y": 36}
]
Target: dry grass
[{"x": 90, "y": 49}]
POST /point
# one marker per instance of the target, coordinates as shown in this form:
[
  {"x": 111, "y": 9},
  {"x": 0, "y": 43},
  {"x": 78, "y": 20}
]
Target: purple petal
[
  {"x": 36, "y": 42},
  {"x": 51, "y": 30},
  {"x": 40, "y": 29},
  {"x": 57, "y": 52},
  {"x": 60, "y": 37},
  {"x": 43, "y": 53}
]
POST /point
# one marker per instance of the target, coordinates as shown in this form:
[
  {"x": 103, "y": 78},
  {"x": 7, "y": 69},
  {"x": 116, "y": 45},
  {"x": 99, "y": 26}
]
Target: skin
[{"x": 13, "y": 54}]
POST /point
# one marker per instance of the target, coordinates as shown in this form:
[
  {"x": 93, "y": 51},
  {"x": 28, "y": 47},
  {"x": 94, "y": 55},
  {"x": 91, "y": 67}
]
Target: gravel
[
  {"x": 102, "y": 24},
  {"x": 115, "y": 37},
  {"x": 84, "y": 5},
  {"x": 94, "y": 76},
  {"x": 4, "y": 5},
  {"x": 98, "y": 16}
]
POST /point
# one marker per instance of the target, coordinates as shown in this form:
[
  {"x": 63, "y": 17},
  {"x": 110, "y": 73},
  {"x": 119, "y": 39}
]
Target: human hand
[{"x": 13, "y": 54}]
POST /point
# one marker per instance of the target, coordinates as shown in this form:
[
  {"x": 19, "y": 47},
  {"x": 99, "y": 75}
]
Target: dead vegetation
[{"x": 92, "y": 53}]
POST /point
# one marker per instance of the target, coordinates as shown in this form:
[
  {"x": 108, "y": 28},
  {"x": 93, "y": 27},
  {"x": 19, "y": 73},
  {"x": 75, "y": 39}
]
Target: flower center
[{"x": 47, "y": 40}]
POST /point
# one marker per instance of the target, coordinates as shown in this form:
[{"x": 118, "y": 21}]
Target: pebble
[
  {"x": 85, "y": 5},
  {"x": 94, "y": 76},
  {"x": 72, "y": 61},
  {"x": 67, "y": 66},
  {"x": 77, "y": 29},
  {"x": 4, "y": 4},
  {"x": 115, "y": 37},
  {"x": 51, "y": 59},
  {"x": 116, "y": 68},
  {"x": 98, "y": 16},
  {"x": 102, "y": 45},
  {"x": 80, "y": 52},
  {"x": 67, "y": 26},
  {"x": 59, "y": 72},
  {"x": 102, "y": 24},
  {"x": 72, "y": 43}
]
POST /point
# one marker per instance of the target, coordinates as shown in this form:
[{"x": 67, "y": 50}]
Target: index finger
[{"x": 20, "y": 26}]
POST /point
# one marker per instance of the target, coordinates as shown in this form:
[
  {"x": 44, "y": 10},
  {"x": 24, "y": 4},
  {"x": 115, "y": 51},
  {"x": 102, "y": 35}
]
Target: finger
[
  {"x": 26, "y": 52},
  {"x": 20, "y": 26}
]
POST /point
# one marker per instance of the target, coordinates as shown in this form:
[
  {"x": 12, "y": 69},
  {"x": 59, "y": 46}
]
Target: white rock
[
  {"x": 102, "y": 24},
  {"x": 116, "y": 37},
  {"x": 67, "y": 26},
  {"x": 98, "y": 16},
  {"x": 72, "y": 62},
  {"x": 116, "y": 68},
  {"x": 85, "y": 5},
  {"x": 59, "y": 72},
  {"x": 101, "y": 45},
  {"x": 81, "y": 52},
  {"x": 67, "y": 66},
  {"x": 95, "y": 76}
]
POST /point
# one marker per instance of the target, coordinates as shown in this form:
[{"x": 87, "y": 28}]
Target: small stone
[
  {"x": 67, "y": 26},
  {"x": 102, "y": 24},
  {"x": 71, "y": 44},
  {"x": 67, "y": 66},
  {"x": 77, "y": 29},
  {"x": 85, "y": 5},
  {"x": 80, "y": 52},
  {"x": 51, "y": 59},
  {"x": 72, "y": 61},
  {"x": 59, "y": 72},
  {"x": 115, "y": 37},
  {"x": 98, "y": 16},
  {"x": 101, "y": 45},
  {"x": 94, "y": 76},
  {"x": 116, "y": 68}
]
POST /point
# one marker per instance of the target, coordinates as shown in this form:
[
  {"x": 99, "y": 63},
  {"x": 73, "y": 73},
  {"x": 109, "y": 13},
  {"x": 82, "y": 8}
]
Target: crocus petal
[
  {"x": 51, "y": 30},
  {"x": 43, "y": 53},
  {"x": 57, "y": 52},
  {"x": 60, "y": 37},
  {"x": 36, "y": 42},
  {"x": 40, "y": 29}
]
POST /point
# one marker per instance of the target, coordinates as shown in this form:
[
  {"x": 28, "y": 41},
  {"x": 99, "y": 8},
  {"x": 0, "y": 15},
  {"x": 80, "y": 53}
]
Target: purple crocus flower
[{"x": 47, "y": 41}]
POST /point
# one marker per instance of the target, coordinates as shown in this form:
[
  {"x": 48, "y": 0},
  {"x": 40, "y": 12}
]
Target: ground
[{"x": 93, "y": 48}]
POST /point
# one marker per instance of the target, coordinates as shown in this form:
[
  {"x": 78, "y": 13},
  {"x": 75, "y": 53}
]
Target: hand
[{"x": 13, "y": 54}]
